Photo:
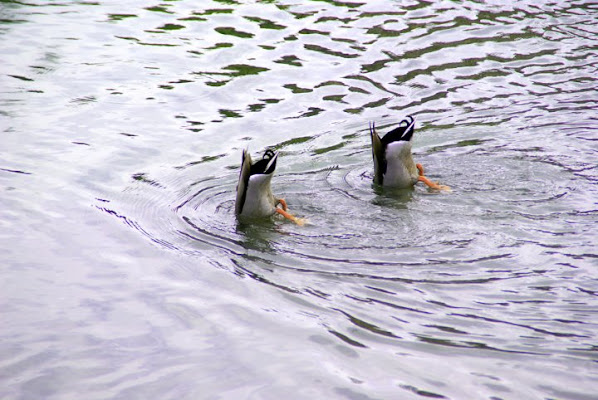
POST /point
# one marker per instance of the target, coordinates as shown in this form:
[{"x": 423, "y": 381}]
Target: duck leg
[
  {"x": 428, "y": 182},
  {"x": 283, "y": 203},
  {"x": 420, "y": 168},
  {"x": 283, "y": 211},
  {"x": 431, "y": 184}
]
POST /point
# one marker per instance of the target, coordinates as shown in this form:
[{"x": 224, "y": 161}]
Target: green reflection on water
[
  {"x": 265, "y": 23},
  {"x": 120, "y": 17},
  {"x": 171, "y": 27},
  {"x": 244, "y": 69},
  {"x": 228, "y": 30}
]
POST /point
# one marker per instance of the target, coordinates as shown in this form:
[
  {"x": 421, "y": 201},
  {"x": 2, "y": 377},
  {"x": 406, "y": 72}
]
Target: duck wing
[
  {"x": 243, "y": 182},
  {"x": 378, "y": 152}
]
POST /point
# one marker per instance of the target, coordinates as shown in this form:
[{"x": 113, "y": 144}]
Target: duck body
[
  {"x": 401, "y": 171},
  {"x": 254, "y": 194},
  {"x": 393, "y": 161},
  {"x": 259, "y": 200}
]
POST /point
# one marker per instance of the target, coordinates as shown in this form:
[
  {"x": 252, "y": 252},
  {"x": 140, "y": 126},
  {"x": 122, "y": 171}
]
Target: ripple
[{"x": 389, "y": 231}]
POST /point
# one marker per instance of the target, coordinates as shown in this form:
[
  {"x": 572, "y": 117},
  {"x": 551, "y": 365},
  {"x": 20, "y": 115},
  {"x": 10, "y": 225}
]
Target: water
[{"x": 125, "y": 274}]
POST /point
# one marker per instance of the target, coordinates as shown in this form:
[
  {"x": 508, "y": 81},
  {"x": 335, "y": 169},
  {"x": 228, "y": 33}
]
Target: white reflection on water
[{"x": 126, "y": 274}]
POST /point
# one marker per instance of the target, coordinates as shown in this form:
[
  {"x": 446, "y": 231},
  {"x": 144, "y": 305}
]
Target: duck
[
  {"x": 393, "y": 161},
  {"x": 254, "y": 194}
]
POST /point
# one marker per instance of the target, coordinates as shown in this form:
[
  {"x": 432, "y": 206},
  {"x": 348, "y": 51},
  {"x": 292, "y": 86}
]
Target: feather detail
[
  {"x": 378, "y": 150},
  {"x": 393, "y": 162},
  {"x": 254, "y": 195},
  {"x": 244, "y": 175}
]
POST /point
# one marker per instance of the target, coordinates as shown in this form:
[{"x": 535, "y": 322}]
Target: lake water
[{"x": 125, "y": 275}]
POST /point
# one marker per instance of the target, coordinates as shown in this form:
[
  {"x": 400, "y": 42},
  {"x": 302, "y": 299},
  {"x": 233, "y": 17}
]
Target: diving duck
[
  {"x": 393, "y": 162},
  {"x": 254, "y": 195}
]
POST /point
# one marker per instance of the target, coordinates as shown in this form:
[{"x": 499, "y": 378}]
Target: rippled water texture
[{"x": 125, "y": 273}]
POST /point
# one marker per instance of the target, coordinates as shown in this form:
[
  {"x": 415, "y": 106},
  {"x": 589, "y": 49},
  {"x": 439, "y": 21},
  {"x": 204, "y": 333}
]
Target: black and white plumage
[
  {"x": 254, "y": 195},
  {"x": 393, "y": 162}
]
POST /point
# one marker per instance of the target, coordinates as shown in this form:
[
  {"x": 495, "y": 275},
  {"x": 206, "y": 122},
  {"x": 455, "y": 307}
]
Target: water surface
[{"x": 126, "y": 275}]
